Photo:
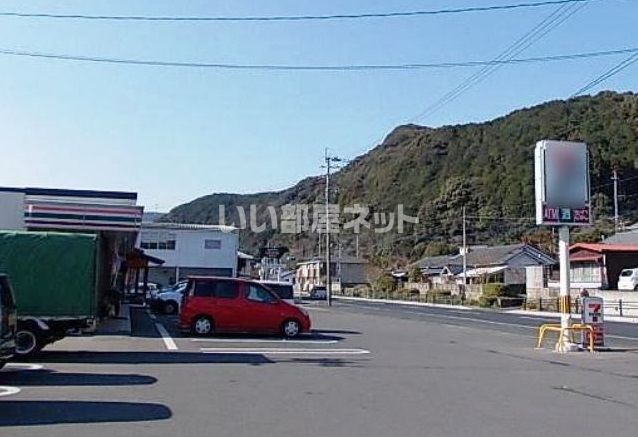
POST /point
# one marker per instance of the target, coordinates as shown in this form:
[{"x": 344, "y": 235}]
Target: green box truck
[{"x": 55, "y": 281}]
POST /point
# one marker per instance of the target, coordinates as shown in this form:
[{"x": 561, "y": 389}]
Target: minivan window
[
  {"x": 626, "y": 273},
  {"x": 219, "y": 289},
  {"x": 226, "y": 290},
  {"x": 259, "y": 294},
  {"x": 204, "y": 289},
  {"x": 284, "y": 291}
]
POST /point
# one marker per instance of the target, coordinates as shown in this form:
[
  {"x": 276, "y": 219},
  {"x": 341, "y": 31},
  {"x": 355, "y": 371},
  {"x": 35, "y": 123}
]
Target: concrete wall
[{"x": 12, "y": 211}]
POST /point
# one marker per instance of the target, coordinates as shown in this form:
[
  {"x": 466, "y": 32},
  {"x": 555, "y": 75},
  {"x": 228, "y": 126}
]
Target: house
[
  {"x": 348, "y": 271},
  {"x": 598, "y": 265},
  {"x": 505, "y": 264},
  {"x": 190, "y": 249}
]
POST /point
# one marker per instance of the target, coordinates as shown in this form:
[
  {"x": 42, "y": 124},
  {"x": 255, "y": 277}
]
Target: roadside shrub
[
  {"x": 415, "y": 275},
  {"x": 384, "y": 284},
  {"x": 360, "y": 290},
  {"x": 490, "y": 294}
]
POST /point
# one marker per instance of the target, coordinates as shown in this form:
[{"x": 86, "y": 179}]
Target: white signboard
[
  {"x": 562, "y": 183},
  {"x": 593, "y": 310}
]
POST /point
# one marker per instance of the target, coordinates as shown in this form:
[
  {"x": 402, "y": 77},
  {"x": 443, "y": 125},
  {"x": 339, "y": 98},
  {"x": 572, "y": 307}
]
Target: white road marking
[
  {"x": 153, "y": 316},
  {"x": 168, "y": 341},
  {"x": 284, "y": 351},
  {"x": 18, "y": 367},
  {"x": 8, "y": 391},
  {"x": 260, "y": 340}
]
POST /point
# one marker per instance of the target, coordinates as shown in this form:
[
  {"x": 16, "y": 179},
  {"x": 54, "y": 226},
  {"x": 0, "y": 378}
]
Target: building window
[
  {"x": 212, "y": 244},
  {"x": 158, "y": 241}
]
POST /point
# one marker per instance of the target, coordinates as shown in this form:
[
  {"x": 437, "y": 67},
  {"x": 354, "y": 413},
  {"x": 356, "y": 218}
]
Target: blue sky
[{"x": 175, "y": 134}]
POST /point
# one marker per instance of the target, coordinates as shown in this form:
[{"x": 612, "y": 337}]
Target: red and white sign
[{"x": 593, "y": 314}]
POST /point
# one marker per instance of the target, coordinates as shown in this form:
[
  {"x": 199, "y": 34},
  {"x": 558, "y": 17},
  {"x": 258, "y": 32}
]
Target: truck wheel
[{"x": 28, "y": 342}]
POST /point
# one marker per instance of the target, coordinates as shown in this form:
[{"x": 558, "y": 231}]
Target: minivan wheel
[
  {"x": 27, "y": 342},
  {"x": 291, "y": 328},
  {"x": 202, "y": 326},
  {"x": 170, "y": 307}
]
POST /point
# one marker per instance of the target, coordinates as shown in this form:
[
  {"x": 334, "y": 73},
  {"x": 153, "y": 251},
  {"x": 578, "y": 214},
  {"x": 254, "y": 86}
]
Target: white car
[
  {"x": 628, "y": 280},
  {"x": 169, "y": 300}
]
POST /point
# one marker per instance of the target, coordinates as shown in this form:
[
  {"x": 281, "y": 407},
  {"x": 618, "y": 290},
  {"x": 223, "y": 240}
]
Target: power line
[
  {"x": 283, "y": 67},
  {"x": 607, "y": 74},
  {"x": 555, "y": 19},
  {"x": 393, "y": 14}
]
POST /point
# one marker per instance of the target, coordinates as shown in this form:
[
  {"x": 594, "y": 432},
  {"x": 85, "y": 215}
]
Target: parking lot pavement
[
  {"x": 317, "y": 343},
  {"x": 422, "y": 377}
]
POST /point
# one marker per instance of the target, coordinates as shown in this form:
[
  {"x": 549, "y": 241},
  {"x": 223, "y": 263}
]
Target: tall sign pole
[{"x": 563, "y": 200}]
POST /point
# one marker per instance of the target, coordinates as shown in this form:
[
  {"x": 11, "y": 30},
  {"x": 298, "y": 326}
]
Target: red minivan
[{"x": 214, "y": 304}]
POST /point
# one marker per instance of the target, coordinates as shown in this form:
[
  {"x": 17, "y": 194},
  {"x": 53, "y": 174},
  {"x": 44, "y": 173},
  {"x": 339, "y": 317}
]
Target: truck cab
[{"x": 8, "y": 321}]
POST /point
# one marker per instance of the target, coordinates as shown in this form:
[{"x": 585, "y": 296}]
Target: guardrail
[{"x": 616, "y": 307}]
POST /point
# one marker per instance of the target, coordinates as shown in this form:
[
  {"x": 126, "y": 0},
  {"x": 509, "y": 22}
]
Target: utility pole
[
  {"x": 616, "y": 219},
  {"x": 464, "y": 252},
  {"x": 328, "y": 160}
]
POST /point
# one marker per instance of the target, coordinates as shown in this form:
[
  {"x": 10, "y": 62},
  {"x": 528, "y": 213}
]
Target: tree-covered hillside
[{"x": 486, "y": 167}]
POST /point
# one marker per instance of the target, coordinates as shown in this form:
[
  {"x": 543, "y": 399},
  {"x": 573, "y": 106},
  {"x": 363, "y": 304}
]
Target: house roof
[
  {"x": 604, "y": 248},
  {"x": 434, "y": 262},
  {"x": 623, "y": 238},
  {"x": 346, "y": 259},
  {"x": 483, "y": 271},
  {"x": 487, "y": 256},
  {"x": 188, "y": 226}
]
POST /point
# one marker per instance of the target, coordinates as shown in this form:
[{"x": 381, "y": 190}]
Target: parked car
[
  {"x": 283, "y": 290},
  {"x": 168, "y": 300},
  {"x": 229, "y": 305},
  {"x": 319, "y": 292},
  {"x": 8, "y": 321},
  {"x": 152, "y": 288},
  {"x": 628, "y": 279}
]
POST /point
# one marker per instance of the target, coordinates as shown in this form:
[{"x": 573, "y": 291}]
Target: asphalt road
[
  {"x": 367, "y": 370},
  {"x": 618, "y": 335}
]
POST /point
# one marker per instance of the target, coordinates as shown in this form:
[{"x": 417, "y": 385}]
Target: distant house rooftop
[
  {"x": 487, "y": 256},
  {"x": 630, "y": 237}
]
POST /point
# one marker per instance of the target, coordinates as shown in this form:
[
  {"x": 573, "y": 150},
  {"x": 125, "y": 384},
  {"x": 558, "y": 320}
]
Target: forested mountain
[{"x": 434, "y": 172}]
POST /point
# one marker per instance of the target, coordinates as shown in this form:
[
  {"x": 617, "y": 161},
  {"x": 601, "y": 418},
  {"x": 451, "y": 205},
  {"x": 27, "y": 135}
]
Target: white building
[{"x": 189, "y": 249}]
